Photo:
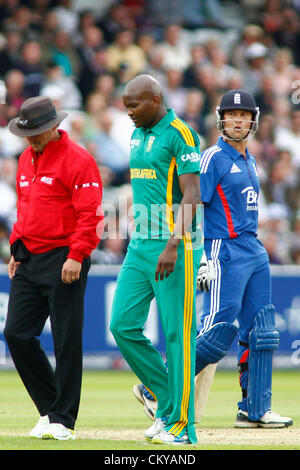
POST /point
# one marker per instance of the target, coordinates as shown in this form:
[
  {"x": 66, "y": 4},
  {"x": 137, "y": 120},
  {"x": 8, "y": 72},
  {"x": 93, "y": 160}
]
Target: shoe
[
  {"x": 269, "y": 420},
  {"x": 150, "y": 404},
  {"x": 157, "y": 427},
  {"x": 166, "y": 437},
  {"x": 59, "y": 432},
  {"x": 40, "y": 427},
  {"x": 242, "y": 420}
]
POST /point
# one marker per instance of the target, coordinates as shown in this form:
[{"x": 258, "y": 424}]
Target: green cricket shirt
[{"x": 159, "y": 155}]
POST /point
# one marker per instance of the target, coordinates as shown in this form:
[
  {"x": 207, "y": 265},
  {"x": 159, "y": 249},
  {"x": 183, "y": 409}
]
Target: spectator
[
  {"x": 251, "y": 34},
  {"x": 154, "y": 66},
  {"x": 112, "y": 250},
  {"x": 264, "y": 141},
  {"x": 31, "y": 65},
  {"x": 122, "y": 127},
  {"x": 16, "y": 93},
  {"x": 8, "y": 199},
  {"x": 68, "y": 18},
  {"x": 175, "y": 51},
  {"x": 281, "y": 112},
  {"x": 198, "y": 58},
  {"x": 192, "y": 113},
  {"x": 207, "y": 83},
  {"x": 266, "y": 97},
  {"x": 295, "y": 253},
  {"x": 275, "y": 235},
  {"x": 270, "y": 241},
  {"x": 95, "y": 105},
  {"x": 10, "y": 146},
  {"x": 14, "y": 43},
  {"x": 105, "y": 85},
  {"x": 272, "y": 16},
  {"x": 282, "y": 181},
  {"x": 165, "y": 12},
  {"x": 70, "y": 94},
  {"x": 6, "y": 62},
  {"x": 175, "y": 93},
  {"x": 22, "y": 19},
  {"x": 39, "y": 10},
  {"x": 294, "y": 241},
  {"x": 49, "y": 28},
  {"x": 146, "y": 41},
  {"x": 88, "y": 50},
  {"x": 63, "y": 53},
  {"x": 116, "y": 19},
  {"x": 4, "y": 241},
  {"x": 108, "y": 151},
  {"x": 221, "y": 68},
  {"x": 288, "y": 35},
  {"x": 289, "y": 137},
  {"x": 125, "y": 58},
  {"x": 207, "y": 14},
  {"x": 256, "y": 55},
  {"x": 86, "y": 20},
  {"x": 88, "y": 75},
  {"x": 283, "y": 72},
  {"x": 92, "y": 39}
]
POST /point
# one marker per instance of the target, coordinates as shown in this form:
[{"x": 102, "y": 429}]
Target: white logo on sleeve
[
  {"x": 192, "y": 157},
  {"x": 235, "y": 169},
  {"x": 23, "y": 182}
]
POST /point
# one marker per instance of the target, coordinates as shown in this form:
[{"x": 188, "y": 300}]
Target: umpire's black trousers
[{"x": 36, "y": 293}]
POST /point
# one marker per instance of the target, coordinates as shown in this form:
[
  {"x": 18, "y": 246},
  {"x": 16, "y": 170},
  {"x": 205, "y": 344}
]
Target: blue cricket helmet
[{"x": 237, "y": 99}]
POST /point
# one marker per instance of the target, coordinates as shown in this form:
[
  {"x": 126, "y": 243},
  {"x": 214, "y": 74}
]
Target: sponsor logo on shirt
[
  {"x": 192, "y": 157},
  {"x": 251, "y": 198},
  {"x": 143, "y": 173},
  {"x": 235, "y": 169},
  {"x": 47, "y": 180},
  {"x": 134, "y": 142}
]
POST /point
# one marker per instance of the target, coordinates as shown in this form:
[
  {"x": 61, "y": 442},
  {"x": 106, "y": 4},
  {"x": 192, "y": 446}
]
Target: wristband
[{"x": 176, "y": 235}]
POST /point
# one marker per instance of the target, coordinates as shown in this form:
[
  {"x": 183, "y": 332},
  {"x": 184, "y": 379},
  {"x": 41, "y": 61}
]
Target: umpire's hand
[
  {"x": 70, "y": 271},
  {"x": 12, "y": 267}
]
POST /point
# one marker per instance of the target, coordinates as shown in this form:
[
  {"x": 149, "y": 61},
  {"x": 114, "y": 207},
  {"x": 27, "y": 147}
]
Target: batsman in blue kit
[
  {"x": 239, "y": 299},
  {"x": 235, "y": 276}
]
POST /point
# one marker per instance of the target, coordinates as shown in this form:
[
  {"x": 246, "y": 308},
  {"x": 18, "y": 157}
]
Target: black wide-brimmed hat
[{"x": 37, "y": 115}]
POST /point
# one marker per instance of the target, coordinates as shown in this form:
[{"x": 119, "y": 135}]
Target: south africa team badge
[{"x": 150, "y": 143}]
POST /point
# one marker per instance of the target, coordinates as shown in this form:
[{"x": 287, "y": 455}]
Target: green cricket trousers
[{"x": 173, "y": 386}]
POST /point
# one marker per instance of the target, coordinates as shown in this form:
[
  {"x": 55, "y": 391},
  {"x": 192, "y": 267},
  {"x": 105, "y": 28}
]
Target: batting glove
[{"x": 206, "y": 274}]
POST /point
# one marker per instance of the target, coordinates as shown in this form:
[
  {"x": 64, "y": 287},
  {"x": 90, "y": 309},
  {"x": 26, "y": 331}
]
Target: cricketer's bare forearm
[{"x": 190, "y": 187}]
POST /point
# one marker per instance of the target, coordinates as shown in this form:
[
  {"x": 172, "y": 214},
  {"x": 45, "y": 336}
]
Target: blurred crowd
[{"x": 198, "y": 49}]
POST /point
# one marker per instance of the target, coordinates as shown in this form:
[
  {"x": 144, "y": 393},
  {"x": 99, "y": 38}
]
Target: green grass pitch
[{"x": 111, "y": 419}]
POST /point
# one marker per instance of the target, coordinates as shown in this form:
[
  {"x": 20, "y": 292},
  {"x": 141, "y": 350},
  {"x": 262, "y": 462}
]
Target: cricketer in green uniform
[{"x": 163, "y": 255}]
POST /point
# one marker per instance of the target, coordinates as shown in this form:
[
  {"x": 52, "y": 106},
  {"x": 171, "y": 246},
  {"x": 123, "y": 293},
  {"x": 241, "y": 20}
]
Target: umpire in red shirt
[{"x": 59, "y": 220}]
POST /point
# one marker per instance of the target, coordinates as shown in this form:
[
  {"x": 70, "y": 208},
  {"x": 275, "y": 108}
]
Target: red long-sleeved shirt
[{"x": 59, "y": 199}]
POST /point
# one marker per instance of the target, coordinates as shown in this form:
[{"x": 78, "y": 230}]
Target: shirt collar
[
  {"x": 54, "y": 145},
  {"x": 231, "y": 150},
  {"x": 163, "y": 123}
]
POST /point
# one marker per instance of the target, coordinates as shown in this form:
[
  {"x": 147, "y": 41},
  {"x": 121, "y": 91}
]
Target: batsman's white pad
[{"x": 203, "y": 382}]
